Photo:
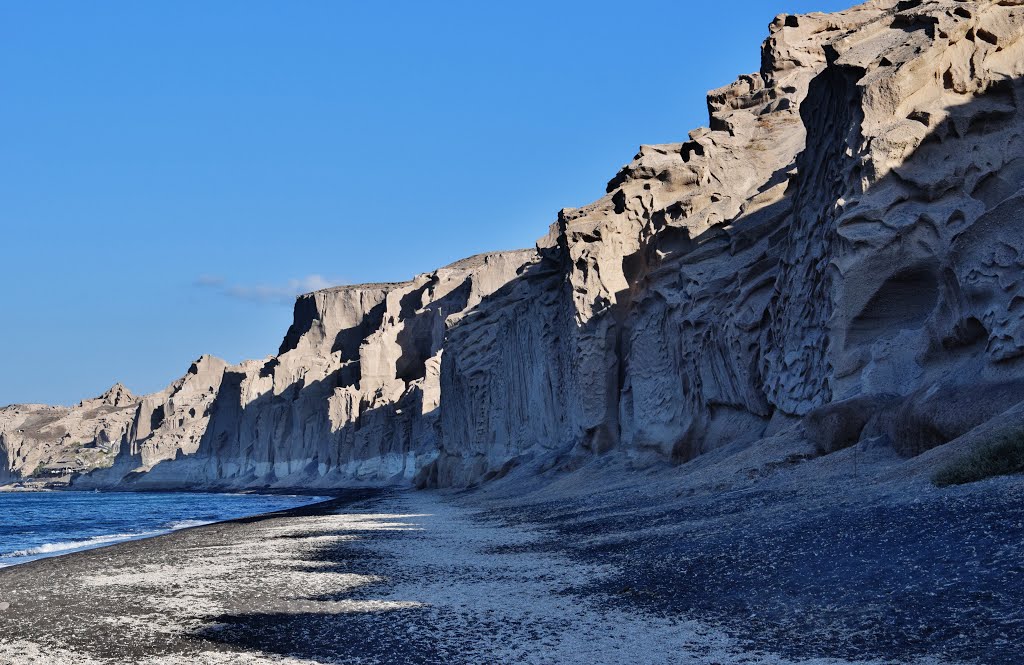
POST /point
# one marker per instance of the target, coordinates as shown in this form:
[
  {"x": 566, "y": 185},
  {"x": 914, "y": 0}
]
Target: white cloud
[{"x": 267, "y": 293}]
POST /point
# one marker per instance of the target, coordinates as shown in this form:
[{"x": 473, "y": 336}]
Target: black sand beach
[
  {"x": 369, "y": 577},
  {"x": 778, "y": 572},
  {"x": 141, "y": 598}
]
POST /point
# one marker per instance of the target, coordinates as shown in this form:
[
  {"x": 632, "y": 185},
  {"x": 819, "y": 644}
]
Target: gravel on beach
[{"x": 584, "y": 573}]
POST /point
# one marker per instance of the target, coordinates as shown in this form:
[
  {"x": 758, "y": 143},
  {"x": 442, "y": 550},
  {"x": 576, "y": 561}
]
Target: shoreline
[
  {"x": 562, "y": 574},
  {"x": 372, "y": 577},
  {"x": 211, "y": 489},
  {"x": 102, "y": 541},
  {"x": 60, "y": 610}
]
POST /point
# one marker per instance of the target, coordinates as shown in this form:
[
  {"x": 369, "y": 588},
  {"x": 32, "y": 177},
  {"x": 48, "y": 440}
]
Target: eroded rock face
[
  {"x": 84, "y": 437},
  {"x": 845, "y": 232},
  {"x": 845, "y": 227},
  {"x": 351, "y": 397}
]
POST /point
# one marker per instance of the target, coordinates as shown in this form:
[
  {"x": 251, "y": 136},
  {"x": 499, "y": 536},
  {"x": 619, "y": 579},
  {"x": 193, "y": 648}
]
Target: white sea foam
[
  {"x": 66, "y": 543},
  {"x": 64, "y": 547},
  {"x": 185, "y": 524},
  {"x": 73, "y": 545}
]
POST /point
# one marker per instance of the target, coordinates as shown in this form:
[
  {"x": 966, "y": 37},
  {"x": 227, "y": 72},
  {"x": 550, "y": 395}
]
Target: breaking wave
[
  {"x": 43, "y": 524},
  {"x": 71, "y": 545}
]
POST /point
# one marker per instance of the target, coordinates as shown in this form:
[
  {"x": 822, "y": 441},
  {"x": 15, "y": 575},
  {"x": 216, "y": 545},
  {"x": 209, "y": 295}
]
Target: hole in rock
[{"x": 903, "y": 301}]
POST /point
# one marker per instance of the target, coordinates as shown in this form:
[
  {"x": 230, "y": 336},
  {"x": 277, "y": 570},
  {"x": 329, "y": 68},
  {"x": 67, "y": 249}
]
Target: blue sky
[{"x": 171, "y": 174}]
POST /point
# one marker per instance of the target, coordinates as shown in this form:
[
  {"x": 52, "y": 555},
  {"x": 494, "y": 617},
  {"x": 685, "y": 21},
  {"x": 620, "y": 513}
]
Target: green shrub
[{"x": 1002, "y": 457}]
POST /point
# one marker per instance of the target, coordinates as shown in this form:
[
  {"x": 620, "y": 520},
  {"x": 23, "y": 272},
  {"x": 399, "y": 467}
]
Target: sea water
[{"x": 34, "y": 525}]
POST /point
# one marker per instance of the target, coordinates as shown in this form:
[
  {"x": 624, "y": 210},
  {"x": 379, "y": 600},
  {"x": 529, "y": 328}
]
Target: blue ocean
[{"x": 40, "y": 524}]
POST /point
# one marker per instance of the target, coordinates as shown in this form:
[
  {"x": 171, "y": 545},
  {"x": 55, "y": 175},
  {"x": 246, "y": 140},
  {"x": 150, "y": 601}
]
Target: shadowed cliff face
[
  {"x": 351, "y": 397},
  {"x": 844, "y": 232},
  {"x": 803, "y": 251},
  {"x": 6, "y": 472}
]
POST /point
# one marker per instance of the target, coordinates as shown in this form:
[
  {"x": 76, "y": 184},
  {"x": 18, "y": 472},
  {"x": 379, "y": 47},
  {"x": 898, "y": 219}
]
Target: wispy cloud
[{"x": 266, "y": 293}]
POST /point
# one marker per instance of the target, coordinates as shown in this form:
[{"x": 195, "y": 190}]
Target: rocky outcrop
[
  {"x": 838, "y": 254},
  {"x": 85, "y": 437},
  {"x": 809, "y": 246},
  {"x": 352, "y": 395}
]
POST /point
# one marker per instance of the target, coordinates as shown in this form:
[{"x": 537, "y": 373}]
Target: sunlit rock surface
[
  {"x": 351, "y": 397},
  {"x": 842, "y": 243}
]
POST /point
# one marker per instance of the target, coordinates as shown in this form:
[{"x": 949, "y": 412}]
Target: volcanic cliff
[{"x": 836, "y": 256}]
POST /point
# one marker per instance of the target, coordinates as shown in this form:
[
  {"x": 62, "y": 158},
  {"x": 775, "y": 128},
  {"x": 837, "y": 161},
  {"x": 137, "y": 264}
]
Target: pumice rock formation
[
  {"x": 801, "y": 251},
  {"x": 82, "y": 437},
  {"x": 352, "y": 395},
  {"x": 837, "y": 256}
]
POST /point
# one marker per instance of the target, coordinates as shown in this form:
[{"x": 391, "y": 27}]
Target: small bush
[{"x": 1003, "y": 457}]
